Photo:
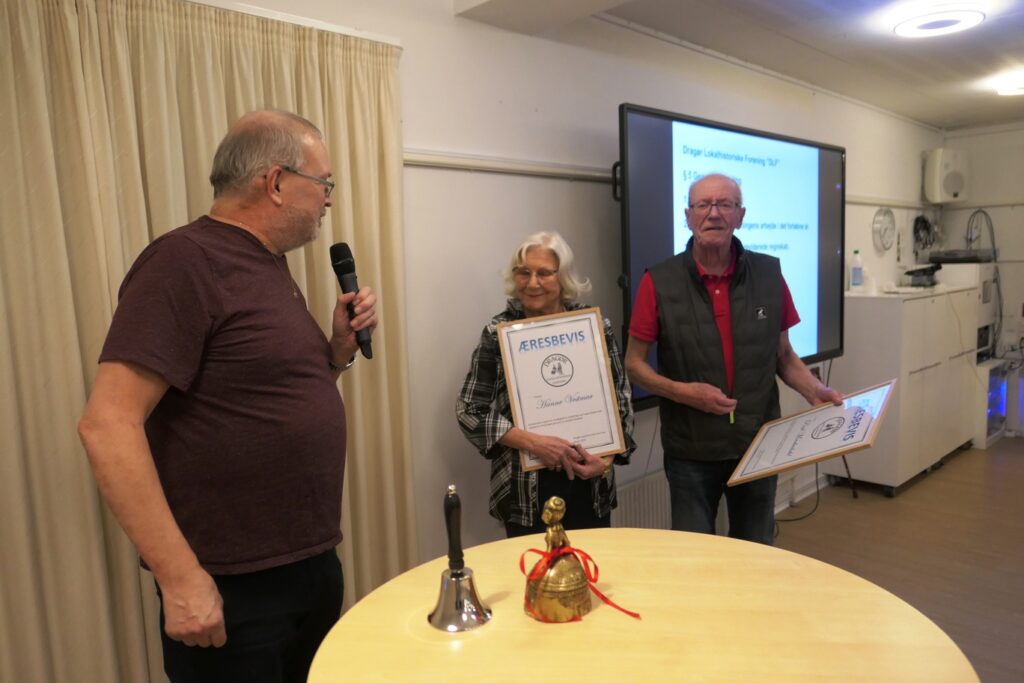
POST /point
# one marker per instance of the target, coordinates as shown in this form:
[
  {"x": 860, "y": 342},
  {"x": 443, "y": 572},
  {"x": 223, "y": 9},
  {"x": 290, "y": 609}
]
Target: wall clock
[{"x": 883, "y": 229}]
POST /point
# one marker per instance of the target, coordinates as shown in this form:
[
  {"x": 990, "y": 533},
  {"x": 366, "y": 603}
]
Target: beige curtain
[{"x": 110, "y": 111}]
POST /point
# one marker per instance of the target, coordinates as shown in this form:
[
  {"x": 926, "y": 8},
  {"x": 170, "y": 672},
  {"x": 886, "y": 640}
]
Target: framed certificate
[
  {"x": 559, "y": 381},
  {"x": 818, "y": 433}
]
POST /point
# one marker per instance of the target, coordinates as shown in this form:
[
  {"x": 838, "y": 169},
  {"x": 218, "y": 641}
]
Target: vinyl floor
[{"x": 950, "y": 543}]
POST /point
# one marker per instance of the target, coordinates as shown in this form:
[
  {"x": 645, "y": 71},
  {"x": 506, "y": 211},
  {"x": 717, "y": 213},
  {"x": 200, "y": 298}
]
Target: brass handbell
[
  {"x": 458, "y": 607},
  {"x": 561, "y": 592}
]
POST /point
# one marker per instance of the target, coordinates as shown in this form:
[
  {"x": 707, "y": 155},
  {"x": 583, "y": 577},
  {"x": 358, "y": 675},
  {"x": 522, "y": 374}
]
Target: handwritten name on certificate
[
  {"x": 560, "y": 382},
  {"x": 816, "y": 434}
]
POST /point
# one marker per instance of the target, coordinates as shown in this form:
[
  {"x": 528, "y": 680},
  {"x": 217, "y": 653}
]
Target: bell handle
[{"x": 452, "y": 519}]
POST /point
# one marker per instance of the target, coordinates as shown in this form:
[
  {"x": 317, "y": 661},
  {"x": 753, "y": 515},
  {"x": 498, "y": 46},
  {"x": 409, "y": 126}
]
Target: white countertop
[{"x": 907, "y": 292}]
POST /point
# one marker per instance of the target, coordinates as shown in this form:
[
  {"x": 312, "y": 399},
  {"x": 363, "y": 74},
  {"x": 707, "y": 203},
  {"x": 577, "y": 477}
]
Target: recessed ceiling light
[{"x": 940, "y": 20}]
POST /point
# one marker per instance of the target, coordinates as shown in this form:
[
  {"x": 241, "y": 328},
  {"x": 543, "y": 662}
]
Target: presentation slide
[{"x": 779, "y": 181}]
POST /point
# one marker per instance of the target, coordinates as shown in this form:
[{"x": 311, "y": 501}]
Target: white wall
[
  {"x": 461, "y": 230},
  {"x": 996, "y": 175},
  {"x": 472, "y": 89}
]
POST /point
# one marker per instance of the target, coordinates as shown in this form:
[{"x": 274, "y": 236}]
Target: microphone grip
[
  {"x": 349, "y": 283},
  {"x": 452, "y": 519}
]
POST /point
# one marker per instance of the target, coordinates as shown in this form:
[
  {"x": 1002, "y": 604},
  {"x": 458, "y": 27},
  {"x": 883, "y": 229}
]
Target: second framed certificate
[
  {"x": 560, "y": 383},
  {"x": 818, "y": 433}
]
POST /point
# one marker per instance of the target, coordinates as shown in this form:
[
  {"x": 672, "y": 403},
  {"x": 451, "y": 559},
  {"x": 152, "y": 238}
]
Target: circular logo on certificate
[
  {"x": 828, "y": 427},
  {"x": 556, "y": 370}
]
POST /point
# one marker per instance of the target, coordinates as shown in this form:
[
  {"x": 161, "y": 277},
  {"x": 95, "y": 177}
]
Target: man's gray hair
[
  {"x": 572, "y": 284},
  {"x": 720, "y": 176},
  {"x": 256, "y": 142}
]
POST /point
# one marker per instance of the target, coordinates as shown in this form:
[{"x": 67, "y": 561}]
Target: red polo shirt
[{"x": 645, "y": 326}]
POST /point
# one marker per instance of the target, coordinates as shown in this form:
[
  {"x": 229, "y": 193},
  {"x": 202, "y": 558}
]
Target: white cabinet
[
  {"x": 962, "y": 357},
  {"x": 927, "y": 342}
]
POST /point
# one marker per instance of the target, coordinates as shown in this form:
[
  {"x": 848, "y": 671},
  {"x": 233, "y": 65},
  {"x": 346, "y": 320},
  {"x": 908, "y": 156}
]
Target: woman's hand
[
  {"x": 556, "y": 454},
  {"x": 587, "y": 466}
]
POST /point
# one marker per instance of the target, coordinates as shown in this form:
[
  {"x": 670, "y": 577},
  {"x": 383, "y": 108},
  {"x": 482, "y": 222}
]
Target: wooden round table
[{"x": 713, "y": 609}]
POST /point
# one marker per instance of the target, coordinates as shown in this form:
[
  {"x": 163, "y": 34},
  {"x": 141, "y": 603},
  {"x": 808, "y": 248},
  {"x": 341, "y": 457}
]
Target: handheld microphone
[{"x": 345, "y": 268}]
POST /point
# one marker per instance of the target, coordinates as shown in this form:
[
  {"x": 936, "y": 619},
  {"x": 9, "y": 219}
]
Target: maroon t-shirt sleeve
[{"x": 165, "y": 311}]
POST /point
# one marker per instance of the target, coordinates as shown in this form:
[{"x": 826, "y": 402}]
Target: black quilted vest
[{"x": 690, "y": 350}]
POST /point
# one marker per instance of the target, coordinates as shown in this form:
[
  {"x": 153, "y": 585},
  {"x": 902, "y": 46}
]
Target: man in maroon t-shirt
[
  {"x": 215, "y": 428},
  {"x": 714, "y": 398}
]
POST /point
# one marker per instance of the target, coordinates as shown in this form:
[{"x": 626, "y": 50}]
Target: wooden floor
[{"x": 950, "y": 543}]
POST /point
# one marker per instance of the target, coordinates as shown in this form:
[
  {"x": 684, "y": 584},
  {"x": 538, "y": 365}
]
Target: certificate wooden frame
[
  {"x": 818, "y": 433},
  {"x": 559, "y": 380}
]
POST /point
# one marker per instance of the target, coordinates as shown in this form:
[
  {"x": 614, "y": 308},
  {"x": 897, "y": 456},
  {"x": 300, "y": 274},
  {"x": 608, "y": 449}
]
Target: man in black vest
[{"x": 720, "y": 316}]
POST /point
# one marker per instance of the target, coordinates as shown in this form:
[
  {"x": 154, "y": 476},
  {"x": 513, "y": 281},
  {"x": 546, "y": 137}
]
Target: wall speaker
[{"x": 945, "y": 175}]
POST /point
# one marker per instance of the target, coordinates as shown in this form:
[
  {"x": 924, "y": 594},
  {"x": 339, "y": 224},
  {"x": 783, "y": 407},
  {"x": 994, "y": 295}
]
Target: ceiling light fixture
[
  {"x": 1012, "y": 85},
  {"x": 1007, "y": 83},
  {"x": 940, "y": 20}
]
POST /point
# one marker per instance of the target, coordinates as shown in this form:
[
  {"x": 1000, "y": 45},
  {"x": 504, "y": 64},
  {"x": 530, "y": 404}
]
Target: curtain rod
[
  {"x": 591, "y": 174},
  {"x": 299, "y": 20},
  {"x": 477, "y": 163}
]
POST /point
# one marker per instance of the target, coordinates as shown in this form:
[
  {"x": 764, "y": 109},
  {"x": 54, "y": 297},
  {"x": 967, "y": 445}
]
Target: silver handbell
[{"x": 459, "y": 608}]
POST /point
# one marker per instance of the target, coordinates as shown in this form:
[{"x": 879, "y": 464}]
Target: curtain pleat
[
  {"x": 55, "y": 580},
  {"x": 112, "y": 110}
]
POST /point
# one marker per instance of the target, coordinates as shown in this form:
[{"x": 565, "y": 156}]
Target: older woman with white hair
[{"x": 541, "y": 280}]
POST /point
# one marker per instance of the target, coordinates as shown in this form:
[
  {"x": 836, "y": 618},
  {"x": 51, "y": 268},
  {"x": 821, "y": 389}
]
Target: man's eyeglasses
[
  {"x": 328, "y": 184},
  {"x": 525, "y": 274},
  {"x": 724, "y": 206}
]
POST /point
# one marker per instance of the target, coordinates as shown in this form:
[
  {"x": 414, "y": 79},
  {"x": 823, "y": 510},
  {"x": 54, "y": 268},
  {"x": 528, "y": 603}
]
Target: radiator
[{"x": 644, "y": 503}]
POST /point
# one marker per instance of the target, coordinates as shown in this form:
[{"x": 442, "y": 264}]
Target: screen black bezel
[{"x": 625, "y": 280}]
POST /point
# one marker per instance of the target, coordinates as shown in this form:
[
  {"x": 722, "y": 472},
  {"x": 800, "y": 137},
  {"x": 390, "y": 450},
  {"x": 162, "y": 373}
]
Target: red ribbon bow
[{"x": 589, "y": 568}]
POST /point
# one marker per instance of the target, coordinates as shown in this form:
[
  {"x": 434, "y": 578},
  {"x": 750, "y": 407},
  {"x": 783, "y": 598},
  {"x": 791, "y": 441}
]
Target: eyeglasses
[
  {"x": 525, "y": 274},
  {"x": 723, "y": 205},
  {"x": 328, "y": 184}
]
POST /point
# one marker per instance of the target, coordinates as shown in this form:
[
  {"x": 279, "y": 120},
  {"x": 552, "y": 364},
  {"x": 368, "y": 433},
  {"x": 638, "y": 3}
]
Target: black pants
[
  {"x": 275, "y": 619},
  {"x": 578, "y": 495}
]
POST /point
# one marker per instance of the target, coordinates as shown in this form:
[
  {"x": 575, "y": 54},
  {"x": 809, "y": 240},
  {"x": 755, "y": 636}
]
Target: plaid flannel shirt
[{"x": 484, "y": 415}]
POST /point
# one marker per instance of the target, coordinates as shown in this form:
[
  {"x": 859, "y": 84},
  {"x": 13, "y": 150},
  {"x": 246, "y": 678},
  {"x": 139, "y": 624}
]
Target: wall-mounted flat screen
[{"x": 793, "y": 192}]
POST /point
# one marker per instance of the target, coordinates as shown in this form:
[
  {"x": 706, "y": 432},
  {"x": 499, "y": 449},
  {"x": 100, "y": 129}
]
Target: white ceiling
[{"x": 838, "y": 45}]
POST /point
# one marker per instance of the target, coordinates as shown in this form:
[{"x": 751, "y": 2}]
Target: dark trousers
[
  {"x": 578, "y": 495},
  {"x": 275, "y": 619},
  {"x": 696, "y": 486}
]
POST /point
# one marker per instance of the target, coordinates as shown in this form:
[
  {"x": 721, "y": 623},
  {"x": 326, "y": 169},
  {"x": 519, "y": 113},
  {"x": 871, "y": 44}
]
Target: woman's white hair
[{"x": 572, "y": 284}]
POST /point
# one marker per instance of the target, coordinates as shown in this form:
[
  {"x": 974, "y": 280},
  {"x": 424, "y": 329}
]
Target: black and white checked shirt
[{"x": 484, "y": 415}]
